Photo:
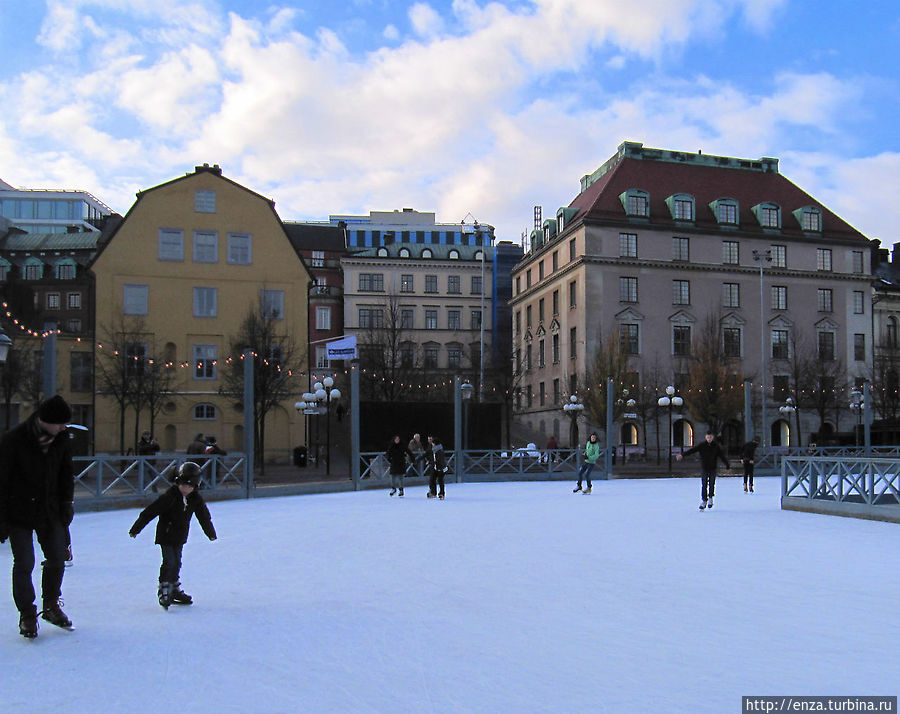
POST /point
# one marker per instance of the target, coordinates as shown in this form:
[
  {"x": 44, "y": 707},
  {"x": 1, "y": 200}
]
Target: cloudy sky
[{"x": 458, "y": 107}]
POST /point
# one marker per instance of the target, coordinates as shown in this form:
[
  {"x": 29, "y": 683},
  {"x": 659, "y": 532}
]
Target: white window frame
[
  {"x": 205, "y": 358},
  {"x": 206, "y": 247},
  {"x": 135, "y": 299},
  {"x": 272, "y": 303},
  {"x": 240, "y": 248},
  {"x": 205, "y": 301},
  {"x": 204, "y": 201},
  {"x": 323, "y": 317},
  {"x": 170, "y": 244}
]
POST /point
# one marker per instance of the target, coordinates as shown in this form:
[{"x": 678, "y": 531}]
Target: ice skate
[
  {"x": 55, "y": 616},
  {"x": 165, "y": 594},
  {"x": 587, "y": 491},
  {"x": 441, "y": 495},
  {"x": 393, "y": 491},
  {"x": 400, "y": 495},
  {"x": 576, "y": 489},
  {"x": 28, "y": 624},
  {"x": 431, "y": 494},
  {"x": 702, "y": 505},
  {"x": 180, "y": 597},
  {"x": 709, "y": 503},
  {"x": 746, "y": 490},
  {"x": 751, "y": 489}
]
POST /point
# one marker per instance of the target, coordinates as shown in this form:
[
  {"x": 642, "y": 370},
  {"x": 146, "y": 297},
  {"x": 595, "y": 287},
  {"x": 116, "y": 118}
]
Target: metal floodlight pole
[{"x": 762, "y": 257}]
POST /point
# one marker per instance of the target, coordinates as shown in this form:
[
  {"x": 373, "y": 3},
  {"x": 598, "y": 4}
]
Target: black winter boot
[
  {"x": 55, "y": 616},
  {"x": 28, "y": 624},
  {"x": 164, "y": 593}
]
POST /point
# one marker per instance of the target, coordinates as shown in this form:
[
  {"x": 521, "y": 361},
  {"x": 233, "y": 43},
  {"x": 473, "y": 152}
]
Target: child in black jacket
[{"x": 175, "y": 508}]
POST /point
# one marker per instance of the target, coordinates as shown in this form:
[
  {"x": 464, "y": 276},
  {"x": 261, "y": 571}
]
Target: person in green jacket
[{"x": 591, "y": 454}]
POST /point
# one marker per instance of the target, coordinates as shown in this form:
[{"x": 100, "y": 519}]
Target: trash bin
[{"x": 300, "y": 456}]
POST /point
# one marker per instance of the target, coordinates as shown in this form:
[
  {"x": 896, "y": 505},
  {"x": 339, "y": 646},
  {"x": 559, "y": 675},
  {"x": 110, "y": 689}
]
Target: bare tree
[
  {"x": 278, "y": 361},
  {"x": 119, "y": 366},
  {"x": 716, "y": 387},
  {"x": 17, "y": 378},
  {"x": 387, "y": 353},
  {"x": 610, "y": 361}
]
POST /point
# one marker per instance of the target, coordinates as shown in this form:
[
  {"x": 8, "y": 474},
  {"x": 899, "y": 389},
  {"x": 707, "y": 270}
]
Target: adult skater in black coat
[
  {"x": 710, "y": 452},
  {"x": 748, "y": 457},
  {"x": 397, "y": 455},
  {"x": 174, "y": 509}
]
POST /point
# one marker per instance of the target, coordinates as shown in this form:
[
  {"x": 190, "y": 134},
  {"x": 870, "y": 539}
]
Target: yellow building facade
[{"x": 191, "y": 260}]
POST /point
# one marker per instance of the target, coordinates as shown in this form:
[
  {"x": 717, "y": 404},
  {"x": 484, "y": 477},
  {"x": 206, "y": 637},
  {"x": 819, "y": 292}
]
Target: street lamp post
[
  {"x": 786, "y": 410},
  {"x": 669, "y": 401},
  {"x": 857, "y": 406},
  {"x": 573, "y": 408},
  {"x": 326, "y": 392},
  {"x": 762, "y": 257},
  {"x": 466, "y": 390},
  {"x": 475, "y": 228}
]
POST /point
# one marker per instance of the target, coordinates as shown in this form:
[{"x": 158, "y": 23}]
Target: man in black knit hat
[{"x": 36, "y": 491}]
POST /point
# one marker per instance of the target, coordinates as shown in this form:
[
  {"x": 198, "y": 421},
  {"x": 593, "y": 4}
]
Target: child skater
[{"x": 175, "y": 508}]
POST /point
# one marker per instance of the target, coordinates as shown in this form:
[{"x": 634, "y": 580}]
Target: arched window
[
  {"x": 382, "y": 252},
  {"x": 205, "y": 411},
  {"x": 65, "y": 269},
  {"x": 404, "y": 253},
  {"x": 453, "y": 254},
  {"x": 426, "y": 253}
]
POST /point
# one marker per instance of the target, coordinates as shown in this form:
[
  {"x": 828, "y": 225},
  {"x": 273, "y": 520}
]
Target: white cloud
[{"x": 425, "y": 20}]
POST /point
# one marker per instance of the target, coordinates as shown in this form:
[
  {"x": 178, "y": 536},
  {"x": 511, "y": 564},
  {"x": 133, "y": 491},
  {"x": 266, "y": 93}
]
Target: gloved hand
[
  {"x": 132, "y": 534},
  {"x": 67, "y": 513}
]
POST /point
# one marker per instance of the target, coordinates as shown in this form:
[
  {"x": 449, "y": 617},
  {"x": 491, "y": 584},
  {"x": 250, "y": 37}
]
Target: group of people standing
[{"x": 430, "y": 459}]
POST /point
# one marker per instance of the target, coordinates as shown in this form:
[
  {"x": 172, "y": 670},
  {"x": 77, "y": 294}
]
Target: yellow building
[{"x": 192, "y": 259}]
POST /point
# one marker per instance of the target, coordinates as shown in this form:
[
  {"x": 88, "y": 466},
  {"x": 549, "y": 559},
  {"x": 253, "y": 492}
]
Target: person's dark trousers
[
  {"x": 748, "y": 474},
  {"x": 171, "y": 563},
  {"x": 437, "y": 479},
  {"x": 709, "y": 484},
  {"x": 585, "y": 473},
  {"x": 52, "y": 539}
]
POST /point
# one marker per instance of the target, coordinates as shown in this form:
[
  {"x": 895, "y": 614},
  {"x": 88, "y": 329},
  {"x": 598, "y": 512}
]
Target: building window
[
  {"x": 629, "y": 338},
  {"x": 628, "y": 289},
  {"x": 823, "y": 296},
  {"x": 205, "y": 300},
  {"x": 731, "y": 295},
  {"x": 431, "y": 319},
  {"x": 4, "y": 270},
  {"x": 731, "y": 342},
  {"x": 555, "y": 260},
  {"x": 573, "y": 341},
  {"x": 628, "y": 245},
  {"x": 52, "y": 301},
  {"x": 572, "y": 294},
  {"x": 373, "y": 282},
  {"x": 476, "y": 319},
  {"x": 431, "y": 284},
  {"x": 407, "y": 283},
  {"x": 555, "y": 348},
  {"x": 683, "y": 209},
  {"x": 727, "y": 211},
  {"x": 371, "y": 318},
  {"x": 518, "y": 322},
  {"x": 403, "y": 252},
  {"x": 811, "y": 220},
  {"x": 205, "y": 412},
  {"x": 528, "y": 316},
  {"x": 321, "y": 357},
  {"x": 780, "y": 344},
  {"x": 239, "y": 248},
  {"x": 65, "y": 270},
  {"x": 779, "y": 256},
  {"x": 542, "y": 398},
  {"x": 135, "y": 299},
  {"x": 858, "y": 262},
  {"x": 73, "y": 325},
  {"x": 557, "y": 394},
  {"x": 272, "y": 303},
  {"x": 858, "y": 302},
  {"x": 34, "y": 269},
  {"x": 318, "y": 259},
  {"x": 407, "y": 354},
  {"x": 540, "y": 311},
  {"x": 779, "y": 297},
  {"x": 170, "y": 244},
  {"x": 426, "y": 253},
  {"x": 204, "y": 361},
  {"x": 823, "y": 259},
  {"x": 781, "y": 387},
  {"x": 681, "y": 249},
  {"x": 890, "y": 332},
  {"x": 571, "y": 250},
  {"x": 826, "y": 345},
  {"x": 555, "y": 302},
  {"x": 323, "y": 318},
  {"x": 541, "y": 355},
  {"x": 454, "y": 321},
  {"x": 769, "y": 215},
  {"x": 730, "y": 254},
  {"x": 73, "y": 300},
  {"x": 477, "y": 285},
  {"x": 135, "y": 359},
  {"x": 637, "y": 203},
  {"x": 204, "y": 201},
  {"x": 453, "y": 254},
  {"x": 681, "y": 292},
  {"x": 681, "y": 340},
  {"x": 407, "y": 318},
  {"x": 80, "y": 368},
  {"x": 859, "y": 347},
  {"x": 206, "y": 247},
  {"x": 453, "y": 285},
  {"x": 430, "y": 354},
  {"x": 541, "y": 270},
  {"x": 454, "y": 356},
  {"x": 528, "y": 278}
]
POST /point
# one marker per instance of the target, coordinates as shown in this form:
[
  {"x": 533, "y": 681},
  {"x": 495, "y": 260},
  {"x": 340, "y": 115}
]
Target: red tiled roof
[{"x": 661, "y": 179}]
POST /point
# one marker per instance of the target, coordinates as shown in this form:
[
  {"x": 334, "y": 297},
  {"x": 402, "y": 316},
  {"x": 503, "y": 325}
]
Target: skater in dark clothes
[
  {"x": 437, "y": 463},
  {"x": 36, "y": 489},
  {"x": 710, "y": 452},
  {"x": 397, "y": 455},
  {"x": 174, "y": 509},
  {"x": 748, "y": 456}
]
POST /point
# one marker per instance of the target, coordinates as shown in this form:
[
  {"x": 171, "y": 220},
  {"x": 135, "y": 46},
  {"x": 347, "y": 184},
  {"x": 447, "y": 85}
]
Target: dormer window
[
  {"x": 636, "y": 202},
  {"x": 404, "y": 253},
  {"x": 809, "y": 218},
  {"x": 65, "y": 269},
  {"x": 725, "y": 211},
  {"x": 768, "y": 215},
  {"x": 382, "y": 252},
  {"x": 34, "y": 269},
  {"x": 426, "y": 253},
  {"x": 681, "y": 206},
  {"x": 479, "y": 255},
  {"x": 453, "y": 254},
  {"x": 564, "y": 217}
]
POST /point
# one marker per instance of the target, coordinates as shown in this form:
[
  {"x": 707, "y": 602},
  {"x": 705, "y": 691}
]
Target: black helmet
[{"x": 189, "y": 473}]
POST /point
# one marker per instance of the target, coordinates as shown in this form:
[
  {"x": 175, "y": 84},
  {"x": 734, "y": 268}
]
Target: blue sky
[{"x": 454, "y": 107}]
